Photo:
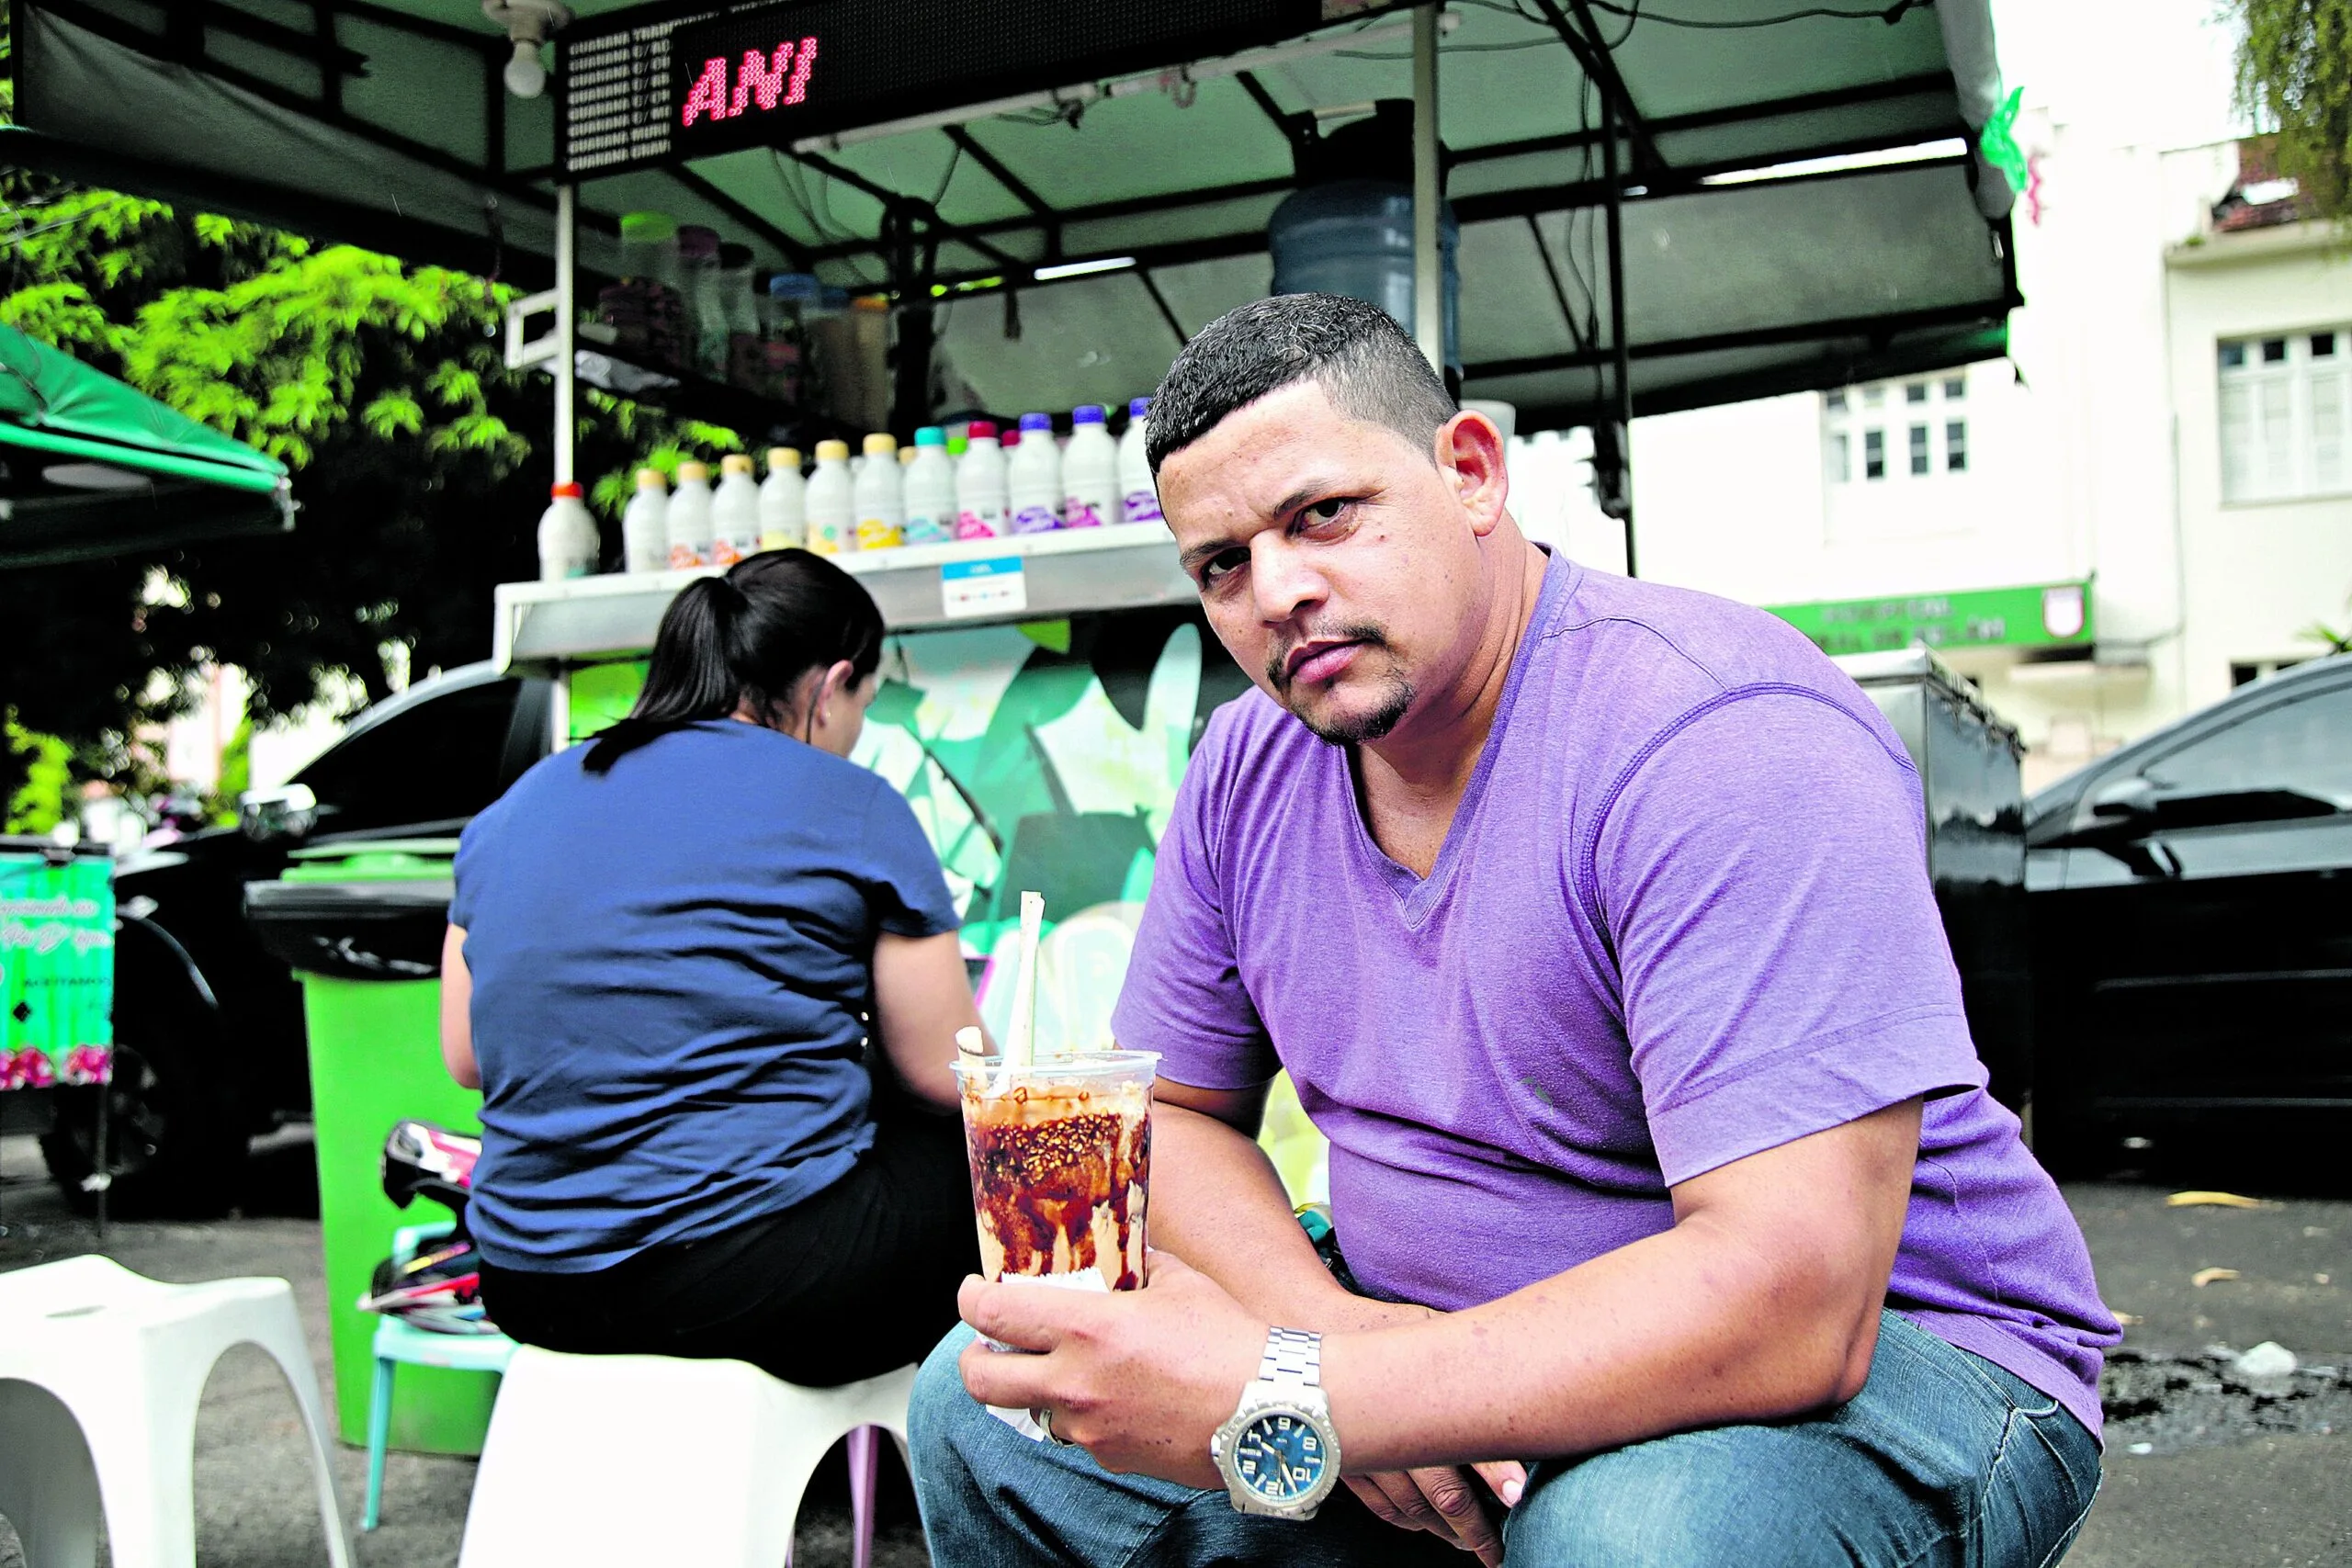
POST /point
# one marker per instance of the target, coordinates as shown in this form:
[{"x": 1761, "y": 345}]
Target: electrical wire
[
  {"x": 953, "y": 159},
  {"x": 1889, "y": 14},
  {"x": 1451, "y": 48}
]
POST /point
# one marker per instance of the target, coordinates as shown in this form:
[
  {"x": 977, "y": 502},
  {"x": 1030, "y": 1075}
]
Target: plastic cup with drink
[{"x": 1060, "y": 1152}]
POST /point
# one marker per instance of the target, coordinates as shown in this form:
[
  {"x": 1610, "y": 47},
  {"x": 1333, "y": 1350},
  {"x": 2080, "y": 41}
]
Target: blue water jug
[{"x": 1355, "y": 237}]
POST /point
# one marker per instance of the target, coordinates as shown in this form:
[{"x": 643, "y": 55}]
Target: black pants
[{"x": 848, "y": 1283}]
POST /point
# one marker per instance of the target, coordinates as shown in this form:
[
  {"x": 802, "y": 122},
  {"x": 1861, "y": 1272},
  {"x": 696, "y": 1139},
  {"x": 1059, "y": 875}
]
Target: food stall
[{"x": 1592, "y": 210}]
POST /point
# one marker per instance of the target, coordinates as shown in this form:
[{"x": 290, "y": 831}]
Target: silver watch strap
[{"x": 1293, "y": 1355}]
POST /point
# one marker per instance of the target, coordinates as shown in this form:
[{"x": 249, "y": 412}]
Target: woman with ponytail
[{"x": 704, "y": 971}]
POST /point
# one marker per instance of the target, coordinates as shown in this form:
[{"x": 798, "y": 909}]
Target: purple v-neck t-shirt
[{"x": 1682, "y": 915}]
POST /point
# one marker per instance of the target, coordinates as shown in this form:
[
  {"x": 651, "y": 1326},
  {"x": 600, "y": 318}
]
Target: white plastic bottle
[
  {"x": 645, "y": 526},
  {"x": 568, "y": 542},
  {"x": 832, "y": 509},
  {"x": 734, "y": 512},
  {"x": 784, "y": 498},
  {"x": 881, "y": 508},
  {"x": 980, "y": 484},
  {"x": 690, "y": 539},
  {"x": 930, "y": 490},
  {"x": 1138, "y": 497},
  {"x": 1033, "y": 477},
  {"x": 1090, "y": 471}
]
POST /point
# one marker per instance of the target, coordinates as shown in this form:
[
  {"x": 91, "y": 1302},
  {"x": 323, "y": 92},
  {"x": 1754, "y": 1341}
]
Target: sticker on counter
[{"x": 996, "y": 586}]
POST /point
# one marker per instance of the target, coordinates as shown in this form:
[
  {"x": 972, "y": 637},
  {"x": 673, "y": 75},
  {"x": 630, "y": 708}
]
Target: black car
[
  {"x": 210, "y": 1048},
  {"x": 2191, "y": 907}
]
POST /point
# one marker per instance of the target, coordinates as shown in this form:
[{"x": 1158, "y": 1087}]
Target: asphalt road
[{"x": 2233, "y": 1473}]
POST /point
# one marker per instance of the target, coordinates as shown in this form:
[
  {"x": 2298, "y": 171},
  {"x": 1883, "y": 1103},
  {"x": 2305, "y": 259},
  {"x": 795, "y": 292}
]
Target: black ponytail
[{"x": 745, "y": 639}]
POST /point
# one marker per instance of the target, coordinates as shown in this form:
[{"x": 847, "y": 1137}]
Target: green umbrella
[{"x": 91, "y": 467}]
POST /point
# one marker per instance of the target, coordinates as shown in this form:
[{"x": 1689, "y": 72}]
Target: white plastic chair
[
  {"x": 654, "y": 1458},
  {"x": 100, "y": 1374}
]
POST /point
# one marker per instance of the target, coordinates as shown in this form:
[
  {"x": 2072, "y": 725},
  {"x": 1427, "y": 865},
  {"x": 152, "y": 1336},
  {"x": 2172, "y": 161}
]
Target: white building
[{"x": 2150, "y": 502}]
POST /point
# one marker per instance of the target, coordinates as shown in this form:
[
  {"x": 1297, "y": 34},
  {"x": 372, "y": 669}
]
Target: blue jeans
[{"x": 1944, "y": 1459}]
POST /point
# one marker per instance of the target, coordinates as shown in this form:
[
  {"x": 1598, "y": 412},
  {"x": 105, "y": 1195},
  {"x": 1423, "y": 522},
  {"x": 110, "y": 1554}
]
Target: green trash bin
[{"x": 361, "y": 923}]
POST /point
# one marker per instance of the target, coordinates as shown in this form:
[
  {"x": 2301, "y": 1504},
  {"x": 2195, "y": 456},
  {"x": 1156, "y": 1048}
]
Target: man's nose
[{"x": 1281, "y": 579}]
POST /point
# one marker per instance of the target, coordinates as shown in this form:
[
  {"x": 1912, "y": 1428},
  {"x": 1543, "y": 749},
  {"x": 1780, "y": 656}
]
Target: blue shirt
[{"x": 670, "y": 960}]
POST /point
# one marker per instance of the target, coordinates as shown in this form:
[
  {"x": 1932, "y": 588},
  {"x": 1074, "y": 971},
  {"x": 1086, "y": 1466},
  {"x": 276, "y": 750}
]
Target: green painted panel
[{"x": 2055, "y": 614}]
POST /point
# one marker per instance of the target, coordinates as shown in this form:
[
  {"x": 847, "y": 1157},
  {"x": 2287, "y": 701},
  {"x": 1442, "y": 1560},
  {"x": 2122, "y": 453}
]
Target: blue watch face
[{"x": 1279, "y": 1457}]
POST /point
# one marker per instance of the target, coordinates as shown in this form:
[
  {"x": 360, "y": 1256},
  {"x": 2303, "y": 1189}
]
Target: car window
[
  {"x": 2302, "y": 744},
  {"x": 435, "y": 761}
]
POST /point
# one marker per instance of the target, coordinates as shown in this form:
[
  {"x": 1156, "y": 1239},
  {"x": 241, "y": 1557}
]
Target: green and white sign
[
  {"x": 2055, "y": 614},
  {"x": 56, "y": 970}
]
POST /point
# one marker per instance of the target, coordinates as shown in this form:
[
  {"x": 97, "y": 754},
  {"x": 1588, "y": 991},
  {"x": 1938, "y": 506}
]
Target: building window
[
  {"x": 1853, "y": 427},
  {"x": 2286, "y": 416}
]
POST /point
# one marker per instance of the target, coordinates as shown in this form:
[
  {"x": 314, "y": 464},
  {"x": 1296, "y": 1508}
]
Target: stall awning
[
  {"x": 94, "y": 467},
  {"x": 385, "y": 122}
]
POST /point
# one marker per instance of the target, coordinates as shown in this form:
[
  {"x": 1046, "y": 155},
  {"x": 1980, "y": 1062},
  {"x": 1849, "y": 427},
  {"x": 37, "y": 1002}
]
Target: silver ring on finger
[{"x": 1044, "y": 1419}]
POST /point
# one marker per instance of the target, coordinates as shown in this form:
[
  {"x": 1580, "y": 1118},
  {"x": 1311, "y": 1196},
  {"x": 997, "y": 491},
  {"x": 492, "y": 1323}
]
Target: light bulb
[{"x": 525, "y": 77}]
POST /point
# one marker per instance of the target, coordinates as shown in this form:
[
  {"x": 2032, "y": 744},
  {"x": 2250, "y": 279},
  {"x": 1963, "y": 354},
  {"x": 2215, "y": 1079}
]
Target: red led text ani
[{"x": 762, "y": 80}]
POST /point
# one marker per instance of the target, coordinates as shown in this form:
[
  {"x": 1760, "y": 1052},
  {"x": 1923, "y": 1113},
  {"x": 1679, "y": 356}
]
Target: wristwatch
[{"x": 1277, "y": 1451}]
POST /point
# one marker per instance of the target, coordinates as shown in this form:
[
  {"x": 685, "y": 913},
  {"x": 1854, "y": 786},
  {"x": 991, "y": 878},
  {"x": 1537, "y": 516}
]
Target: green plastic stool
[{"x": 396, "y": 1342}]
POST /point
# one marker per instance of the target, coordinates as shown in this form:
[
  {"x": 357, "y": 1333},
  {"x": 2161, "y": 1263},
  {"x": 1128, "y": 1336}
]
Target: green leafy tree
[
  {"x": 418, "y": 461},
  {"x": 39, "y": 801},
  {"x": 2294, "y": 67}
]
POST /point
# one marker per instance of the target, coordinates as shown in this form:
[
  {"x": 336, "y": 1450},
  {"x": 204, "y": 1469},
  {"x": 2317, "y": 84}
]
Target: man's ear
[{"x": 1470, "y": 452}]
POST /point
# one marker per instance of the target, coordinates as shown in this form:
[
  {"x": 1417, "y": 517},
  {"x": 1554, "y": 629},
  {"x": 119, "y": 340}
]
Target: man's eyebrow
[{"x": 1201, "y": 555}]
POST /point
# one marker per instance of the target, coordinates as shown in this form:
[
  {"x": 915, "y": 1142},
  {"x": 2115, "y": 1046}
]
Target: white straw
[{"x": 1021, "y": 1043}]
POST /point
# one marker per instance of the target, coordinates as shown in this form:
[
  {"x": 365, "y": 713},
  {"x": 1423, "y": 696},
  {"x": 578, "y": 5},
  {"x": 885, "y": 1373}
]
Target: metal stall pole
[
  {"x": 567, "y": 316},
  {"x": 1624, "y": 383},
  {"x": 1429, "y": 278},
  {"x": 102, "y": 1174}
]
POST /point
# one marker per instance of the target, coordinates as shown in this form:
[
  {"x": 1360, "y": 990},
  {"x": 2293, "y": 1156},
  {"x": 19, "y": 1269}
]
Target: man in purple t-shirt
[{"x": 1592, "y": 919}]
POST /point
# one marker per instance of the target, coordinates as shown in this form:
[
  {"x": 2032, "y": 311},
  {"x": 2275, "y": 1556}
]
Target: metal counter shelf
[{"x": 544, "y": 627}]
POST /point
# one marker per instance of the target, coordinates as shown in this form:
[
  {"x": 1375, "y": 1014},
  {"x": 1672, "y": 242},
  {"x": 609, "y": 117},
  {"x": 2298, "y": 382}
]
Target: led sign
[
  {"x": 660, "y": 84},
  {"x": 761, "y": 83}
]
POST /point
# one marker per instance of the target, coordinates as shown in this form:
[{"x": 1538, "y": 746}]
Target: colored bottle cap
[
  {"x": 906, "y": 456},
  {"x": 1010, "y": 439},
  {"x": 931, "y": 435},
  {"x": 1036, "y": 422},
  {"x": 980, "y": 429},
  {"x": 783, "y": 457},
  {"x": 651, "y": 478},
  {"x": 881, "y": 445},
  {"x": 567, "y": 489},
  {"x": 833, "y": 451},
  {"x": 1138, "y": 408},
  {"x": 1086, "y": 414},
  {"x": 735, "y": 463},
  {"x": 959, "y": 445},
  {"x": 690, "y": 473}
]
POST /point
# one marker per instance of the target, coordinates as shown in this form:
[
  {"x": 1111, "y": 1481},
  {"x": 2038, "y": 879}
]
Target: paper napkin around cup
[{"x": 1088, "y": 1281}]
